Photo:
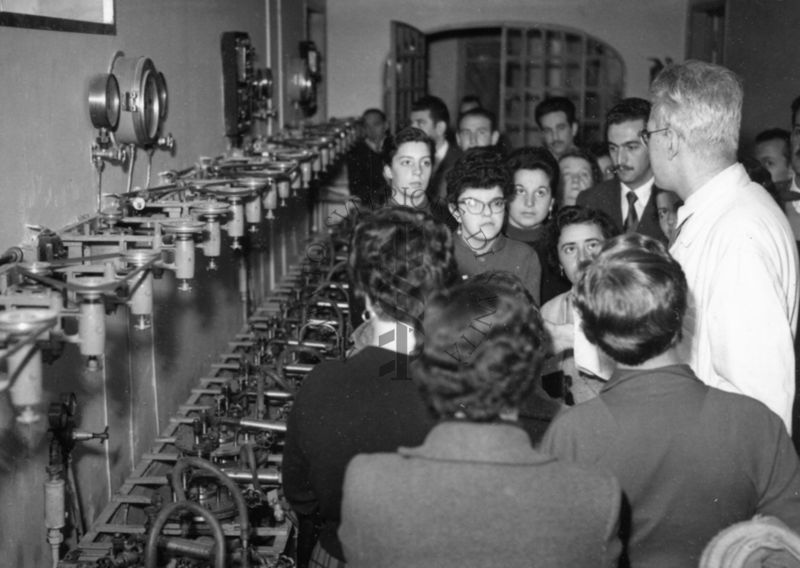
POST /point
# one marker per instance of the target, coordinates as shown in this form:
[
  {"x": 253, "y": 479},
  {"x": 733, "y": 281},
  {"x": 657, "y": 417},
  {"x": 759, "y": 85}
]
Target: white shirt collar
[
  {"x": 712, "y": 194},
  {"x": 642, "y": 192},
  {"x": 441, "y": 152}
]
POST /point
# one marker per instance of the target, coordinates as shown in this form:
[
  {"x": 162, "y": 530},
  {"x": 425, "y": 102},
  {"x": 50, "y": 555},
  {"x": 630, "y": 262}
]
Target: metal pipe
[
  {"x": 269, "y": 476},
  {"x": 151, "y": 550},
  {"x": 236, "y": 493},
  {"x": 254, "y": 424}
]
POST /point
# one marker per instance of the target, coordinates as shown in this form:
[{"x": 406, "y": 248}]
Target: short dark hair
[
  {"x": 556, "y": 104},
  {"x": 377, "y": 111},
  {"x": 535, "y": 158},
  {"x": 795, "y": 108},
  {"x": 483, "y": 351},
  {"x": 575, "y": 215},
  {"x": 471, "y": 100},
  {"x": 408, "y": 134},
  {"x": 776, "y": 134},
  {"x": 481, "y": 112},
  {"x": 435, "y": 106},
  {"x": 632, "y": 299},
  {"x": 632, "y": 108},
  {"x": 598, "y": 150},
  {"x": 478, "y": 168},
  {"x": 399, "y": 257}
]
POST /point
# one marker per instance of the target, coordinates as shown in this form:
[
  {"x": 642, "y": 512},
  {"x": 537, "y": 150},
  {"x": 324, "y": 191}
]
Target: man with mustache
[
  {"x": 630, "y": 199},
  {"x": 557, "y": 119}
]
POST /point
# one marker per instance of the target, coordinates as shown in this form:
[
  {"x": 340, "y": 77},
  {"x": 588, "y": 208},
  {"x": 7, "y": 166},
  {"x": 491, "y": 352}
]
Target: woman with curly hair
[
  {"x": 476, "y": 493},
  {"x": 478, "y": 189},
  {"x": 367, "y": 403}
]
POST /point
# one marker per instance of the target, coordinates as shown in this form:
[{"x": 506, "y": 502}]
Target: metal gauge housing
[
  {"x": 143, "y": 97},
  {"x": 104, "y": 102}
]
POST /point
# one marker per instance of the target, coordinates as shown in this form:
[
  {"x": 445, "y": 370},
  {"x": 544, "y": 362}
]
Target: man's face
[
  {"x": 772, "y": 155},
  {"x": 374, "y": 127},
  {"x": 628, "y": 153},
  {"x": 475, "y": 132},
  {"x": 480, "y": 214},
  {"x": 558, "y": 132},
  {"x": 795, "y": 143},
  {"x": 422, "y": 119},
  {"x": 657, "y": 150}
]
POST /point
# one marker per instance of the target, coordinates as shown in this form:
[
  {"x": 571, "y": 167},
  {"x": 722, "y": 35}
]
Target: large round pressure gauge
[{"x": 143, "y": 97}]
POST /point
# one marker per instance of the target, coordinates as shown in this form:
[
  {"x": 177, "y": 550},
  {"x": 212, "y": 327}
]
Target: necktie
[{"x": 632, "y": 220}]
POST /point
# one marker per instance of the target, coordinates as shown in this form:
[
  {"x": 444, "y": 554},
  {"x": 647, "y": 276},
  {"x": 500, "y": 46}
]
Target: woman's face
[
  {"x": 578, "y": 244},
  {"x": 533, "y": 200},
  {"x": 576, "y": 176},
  {"x": 480, "y": 214},
  {"x": 409, "y": 173}
]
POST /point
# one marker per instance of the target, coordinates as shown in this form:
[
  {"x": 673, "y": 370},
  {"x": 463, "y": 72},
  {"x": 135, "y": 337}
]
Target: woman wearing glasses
[{"x": 478, "y": 188}]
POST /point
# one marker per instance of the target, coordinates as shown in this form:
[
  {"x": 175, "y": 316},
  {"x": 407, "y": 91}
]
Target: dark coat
[
  {"x": 691, "y": 459},
  {"x": 605, "y": 197},
  {"x": 477, "y": 495},
  {"x": 437, "y": 187},
  {"x": 367, "y": 403}
]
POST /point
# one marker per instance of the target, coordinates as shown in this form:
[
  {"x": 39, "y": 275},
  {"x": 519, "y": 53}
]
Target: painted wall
[
  {"x": 638, "y": 29},
  {"x": 47, "y": 179},
  {"x": 761, "y": 47},
  {"x": 46, "y": 134}
]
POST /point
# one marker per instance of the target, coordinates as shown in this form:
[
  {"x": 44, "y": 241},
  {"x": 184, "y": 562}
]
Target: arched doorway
[{"x": 513, "y": 66}]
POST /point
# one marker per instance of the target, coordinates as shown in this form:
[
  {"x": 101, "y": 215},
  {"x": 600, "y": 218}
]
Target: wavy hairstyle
[
  {"x": 632, "y": 299},
  {"x": 483, "y": 351},
  {"x": 479, "y": 168},
  {"x": 398, "y": 258},
  {"x": 702, "y": 103},
  {"x": 535, "y": 158}
]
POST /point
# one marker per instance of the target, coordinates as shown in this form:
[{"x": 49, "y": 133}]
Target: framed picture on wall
[{"x": 82, "y": 16}]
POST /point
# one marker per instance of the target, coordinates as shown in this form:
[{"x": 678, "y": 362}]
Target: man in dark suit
[
  {"x": 630, "y": 198},
  {"x": 430, "y": 115},
  {"x": 365, "y": 160}
]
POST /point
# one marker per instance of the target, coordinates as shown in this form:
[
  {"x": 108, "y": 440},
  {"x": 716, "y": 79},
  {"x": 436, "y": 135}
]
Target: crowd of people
[{"x": 569, "y": 356}]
